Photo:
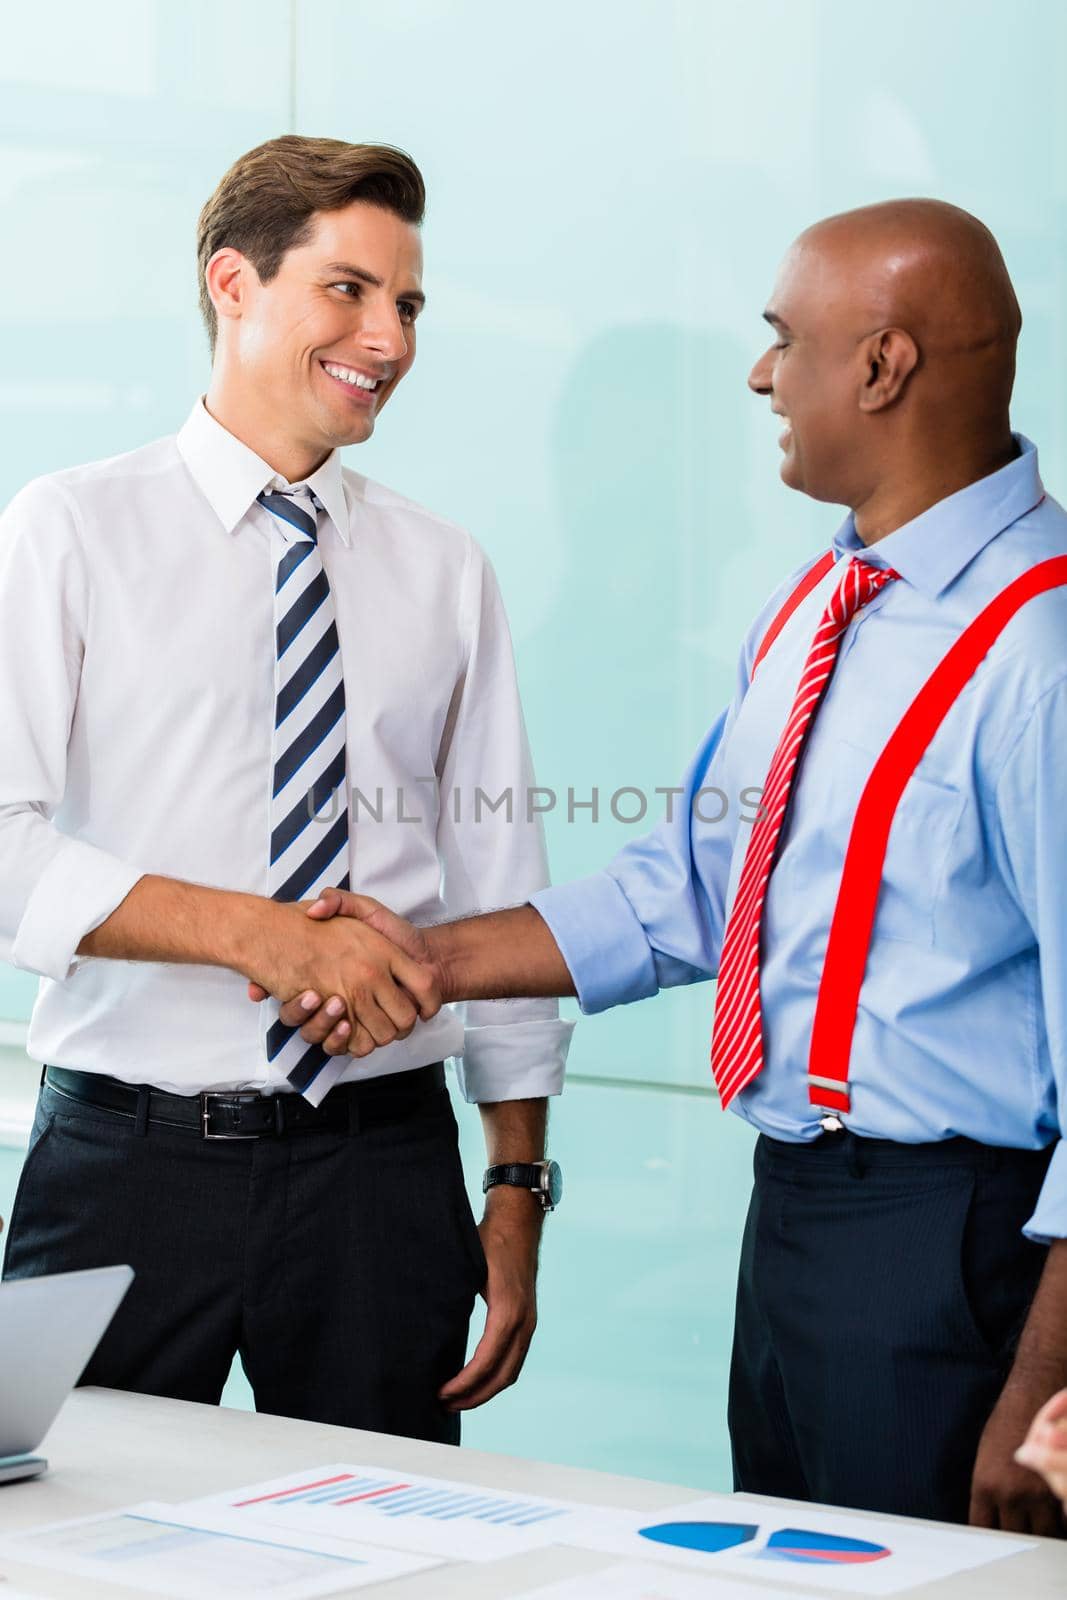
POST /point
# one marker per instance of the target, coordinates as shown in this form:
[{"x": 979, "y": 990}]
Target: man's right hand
[{"x": 379, "y": 990}]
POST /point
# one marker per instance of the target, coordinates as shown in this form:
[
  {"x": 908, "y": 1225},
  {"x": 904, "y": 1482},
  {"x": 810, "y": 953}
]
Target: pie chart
[
  {"x": 820, "y": 1549},
  {"x": 707, "y": 1536}
]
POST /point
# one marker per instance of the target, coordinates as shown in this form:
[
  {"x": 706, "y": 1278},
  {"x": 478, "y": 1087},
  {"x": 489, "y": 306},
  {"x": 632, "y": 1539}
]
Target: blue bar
[
  {"x": 468, "y": 1507},
  {"x": 414, "y": 1500},
  {"x": 513, "y": 1513},
  {"x": 490, "y": 1511},
  {"x": 450, "y": 1503}
]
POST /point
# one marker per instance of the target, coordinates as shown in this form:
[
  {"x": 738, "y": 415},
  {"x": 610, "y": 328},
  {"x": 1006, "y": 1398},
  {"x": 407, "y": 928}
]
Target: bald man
[{"x": 890, "y": 934}]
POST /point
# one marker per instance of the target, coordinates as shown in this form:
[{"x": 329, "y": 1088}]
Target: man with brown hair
[{"x": 233, "y": 671}]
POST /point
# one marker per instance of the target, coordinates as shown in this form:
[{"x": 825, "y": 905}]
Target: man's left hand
[
  {"x": 511, "y": 1233},
  {"x": 1003, "y": 1494}
]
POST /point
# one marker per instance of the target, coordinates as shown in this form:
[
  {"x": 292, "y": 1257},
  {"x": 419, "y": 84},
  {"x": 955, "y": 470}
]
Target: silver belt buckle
[{"x": 206, "y": 1109}]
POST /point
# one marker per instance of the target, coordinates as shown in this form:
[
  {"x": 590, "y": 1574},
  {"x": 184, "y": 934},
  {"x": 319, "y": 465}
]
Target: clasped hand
[{"x": 352, "y": 994}]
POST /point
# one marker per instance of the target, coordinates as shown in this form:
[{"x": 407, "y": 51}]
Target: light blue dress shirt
[{"x": 962, "y": 1023}]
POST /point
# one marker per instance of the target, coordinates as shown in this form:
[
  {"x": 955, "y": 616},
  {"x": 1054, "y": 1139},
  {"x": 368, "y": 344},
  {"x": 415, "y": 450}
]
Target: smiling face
[
  {"x": 305, "y": 362},
  {"x": 814, "y": 374}
]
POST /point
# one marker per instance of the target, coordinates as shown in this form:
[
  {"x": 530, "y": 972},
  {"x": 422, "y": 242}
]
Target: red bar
[
  {"x": 279, "y": 1494},
  {"x": 372, "y": 1494}
]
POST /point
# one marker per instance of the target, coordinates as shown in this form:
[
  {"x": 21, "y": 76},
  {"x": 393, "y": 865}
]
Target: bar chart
[
  {"x": 430, "y": 1515},
  {"x": 393, "y": 1498}
]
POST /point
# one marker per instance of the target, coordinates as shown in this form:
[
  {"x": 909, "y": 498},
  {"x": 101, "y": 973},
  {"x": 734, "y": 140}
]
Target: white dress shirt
[{"x": 136, "y": 707}]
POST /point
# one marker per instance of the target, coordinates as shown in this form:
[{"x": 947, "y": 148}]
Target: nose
[
  {"x": 383, "y": 331},
  {"x": 759, "y": 379}
]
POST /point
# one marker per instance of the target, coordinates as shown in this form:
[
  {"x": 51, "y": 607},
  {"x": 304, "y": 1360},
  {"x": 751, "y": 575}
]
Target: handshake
[{"x": 351, "y": 975}]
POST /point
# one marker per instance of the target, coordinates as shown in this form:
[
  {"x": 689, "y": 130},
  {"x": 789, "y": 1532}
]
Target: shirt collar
[
  {"x": 933, "y": 548},
  {"x": 231, "y": 475}
]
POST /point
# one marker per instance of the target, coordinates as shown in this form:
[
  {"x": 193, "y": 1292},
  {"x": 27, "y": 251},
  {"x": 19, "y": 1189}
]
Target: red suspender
[
  {"x": 857, "y": 895},
  {"x": 807, "y": 583}
]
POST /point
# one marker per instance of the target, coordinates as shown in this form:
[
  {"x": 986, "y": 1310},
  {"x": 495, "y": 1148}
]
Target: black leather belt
[{"x": 237, "y": 1114}]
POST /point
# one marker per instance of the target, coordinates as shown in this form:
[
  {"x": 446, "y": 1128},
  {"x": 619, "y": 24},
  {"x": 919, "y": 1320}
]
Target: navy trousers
[
  {"x": 882, "y": 1291},
  {"x": 341, "y": 1265}
]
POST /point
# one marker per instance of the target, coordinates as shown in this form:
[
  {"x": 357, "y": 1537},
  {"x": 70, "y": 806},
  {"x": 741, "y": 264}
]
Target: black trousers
[
  {"x": 881, "y": 1293},
  {"x": 343, "y": 1266}
]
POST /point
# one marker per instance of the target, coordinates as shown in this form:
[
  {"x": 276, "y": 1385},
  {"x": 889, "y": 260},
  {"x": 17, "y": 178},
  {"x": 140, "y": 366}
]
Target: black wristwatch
[{"x": 542, "y": 1178}]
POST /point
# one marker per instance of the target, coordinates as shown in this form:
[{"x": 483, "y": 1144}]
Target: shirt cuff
[
  {"x": 514, "y": 1060},
  {"x": 1049, "y": 1221},
  {"x": 76, "y": 892},
  {"x": 601, "y": 939}
]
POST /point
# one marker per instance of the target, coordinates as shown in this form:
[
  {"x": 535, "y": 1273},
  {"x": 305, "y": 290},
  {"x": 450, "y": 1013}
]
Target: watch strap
[{"x": 517, "y": 1174}]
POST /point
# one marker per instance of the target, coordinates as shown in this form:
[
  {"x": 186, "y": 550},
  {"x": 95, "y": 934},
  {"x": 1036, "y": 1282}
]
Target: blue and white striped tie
[{"x": 309, "y": 791}]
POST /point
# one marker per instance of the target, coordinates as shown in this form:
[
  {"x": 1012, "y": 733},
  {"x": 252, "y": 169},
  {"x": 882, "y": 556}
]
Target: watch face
[{"x": 552, "y": 1182}]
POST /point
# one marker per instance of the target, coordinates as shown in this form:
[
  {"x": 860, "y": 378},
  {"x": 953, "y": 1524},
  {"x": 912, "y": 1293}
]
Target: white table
[{"x": 109, "y": 1449}]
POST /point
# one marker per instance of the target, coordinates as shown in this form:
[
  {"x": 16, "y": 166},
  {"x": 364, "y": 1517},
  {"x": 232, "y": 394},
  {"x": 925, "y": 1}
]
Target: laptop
[{"x": 49, "y": 1328}]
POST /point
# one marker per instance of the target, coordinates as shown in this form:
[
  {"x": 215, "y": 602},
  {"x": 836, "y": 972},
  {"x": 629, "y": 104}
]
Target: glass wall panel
[{"x": 116, "y": 122}]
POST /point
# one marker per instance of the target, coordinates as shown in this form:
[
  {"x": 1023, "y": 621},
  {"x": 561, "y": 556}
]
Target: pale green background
[{"x": 611, "y": 184}]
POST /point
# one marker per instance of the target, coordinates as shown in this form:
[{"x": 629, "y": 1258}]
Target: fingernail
[
  {"x": 334, "y": 1007},
  {"x": 343, "y": 1028},
  {"x": 310, "y": 1000}
]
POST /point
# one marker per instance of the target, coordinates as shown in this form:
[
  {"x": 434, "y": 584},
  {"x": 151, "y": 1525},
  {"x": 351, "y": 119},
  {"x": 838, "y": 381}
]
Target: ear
[
  {"x": 889, "y": 359},
  {"x": 225, "y": 275}
]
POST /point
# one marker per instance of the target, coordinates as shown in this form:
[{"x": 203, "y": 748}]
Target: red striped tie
[{"x": 737, "y": 1039}]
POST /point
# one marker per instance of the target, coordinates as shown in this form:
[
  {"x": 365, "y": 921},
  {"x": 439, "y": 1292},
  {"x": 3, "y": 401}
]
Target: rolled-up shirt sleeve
[
  {"x": 492, "y": 847},
  {"x": 54, "y": 889},
  {"x": 1032, "y": 823}
]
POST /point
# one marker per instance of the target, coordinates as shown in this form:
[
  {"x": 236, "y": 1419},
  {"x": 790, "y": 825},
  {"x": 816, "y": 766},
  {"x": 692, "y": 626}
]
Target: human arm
[
  {"x": 1004, "y": 1493},
  {"x": 272, "y": 943},
  {"x": 510, "y": 1229},
  {"x": 53, "y": 887},
  {"x": 1030, "y": 838}
]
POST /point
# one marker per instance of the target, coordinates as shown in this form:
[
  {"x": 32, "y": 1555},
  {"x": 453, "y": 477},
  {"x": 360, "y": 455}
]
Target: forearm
[
  {"x": 500, "y": 956},
  {"x": 1004, "y": 1492},
  {"x": 1041, "y": 1359},
  {"x": 514, "y": 1132},
  {"x": 167, "y": 919}
]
